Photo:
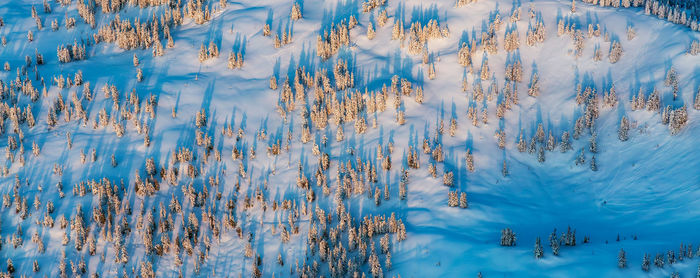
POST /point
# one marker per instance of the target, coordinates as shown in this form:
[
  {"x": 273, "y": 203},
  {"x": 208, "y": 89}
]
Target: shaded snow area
[{"x": 359, "y": 138}]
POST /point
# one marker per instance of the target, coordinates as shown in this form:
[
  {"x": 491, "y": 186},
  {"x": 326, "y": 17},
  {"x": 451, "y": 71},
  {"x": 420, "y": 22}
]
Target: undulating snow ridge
[{"x": 160, "y": 138}]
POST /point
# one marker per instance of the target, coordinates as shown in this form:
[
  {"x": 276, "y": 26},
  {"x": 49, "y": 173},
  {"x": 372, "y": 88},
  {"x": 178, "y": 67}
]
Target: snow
[{"x": 647, "y": 187}]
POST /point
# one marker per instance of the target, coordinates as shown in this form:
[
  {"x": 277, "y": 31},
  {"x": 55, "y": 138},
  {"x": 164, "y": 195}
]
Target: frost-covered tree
[
  {"x": 464, "y": 55},
  {"x": 461, "y": 3},
  {"x": 623, "y": 131},
  {"x": 554, "y": 242},
  {"x": 370, "y": 31},
  {"x": 470, "y": 161},
  {"x": 659, "y": 260},
  {"x": 463, "y": 200},
  {"x": 678, "y": 118},
  {"x": 522, "y": 146},
  {"x": 485, "y": 73},
  {"x": 511, "y": 40},
  {"x": 565, "y": 142},
  {"x": 593, "y": 143},
  {"x": 654, "y": 101},
  {"x": 448, "y": 178},
  {"x": 507, "y": 237},
  {"x": 694, "y": 48},
  {"x": 295, "y": 14},
  {"x": 646, "y": 262},
  {"x": 621, "y": 260},
  {"x": 10, "y": 266},
  {"x": 201, "y": 119},
  {"x": 540, "y": 155},
  {"x": 615, "y": 52},
  {"x": 377, "y": 196},
  {"x": 539, "y": 252},
  {"x": 551, "y": 142},
  {"x": 534, "y": 89},
  {"x": 631, "y": 34},
  {"x": 540, "y": 133}
]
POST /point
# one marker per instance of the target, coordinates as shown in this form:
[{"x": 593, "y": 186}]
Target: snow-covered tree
[
  {"x": 507, "y": 237},
  {"x": 623, "y": 131},
  {"x": 646, "y": 262},
  {"x": 615, "y": 52},
  {"x": 296, "y": 12},
  {"x": 539, "y": 252},
  {"x": 554, "y": 242},
  {"x": 621, "y": 260}
]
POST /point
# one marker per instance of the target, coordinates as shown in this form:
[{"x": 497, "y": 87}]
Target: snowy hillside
[{"x": 358, "y": 138}]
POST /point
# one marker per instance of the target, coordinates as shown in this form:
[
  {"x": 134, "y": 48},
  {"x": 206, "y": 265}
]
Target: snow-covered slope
[{"x": 643, "y": 198}]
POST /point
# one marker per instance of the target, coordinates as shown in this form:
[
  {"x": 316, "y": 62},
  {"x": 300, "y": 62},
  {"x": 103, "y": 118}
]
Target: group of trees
[
  {"x": 190, "y": 221},
  {"x": 676, "y": 11},
  {"x": 555, "y": 242},
  {"x": 660, "y": 259},
  {"x": 457, "y": 199}
]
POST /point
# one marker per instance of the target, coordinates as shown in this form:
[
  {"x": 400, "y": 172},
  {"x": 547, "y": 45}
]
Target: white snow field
[{"x": 266, "y": 176}]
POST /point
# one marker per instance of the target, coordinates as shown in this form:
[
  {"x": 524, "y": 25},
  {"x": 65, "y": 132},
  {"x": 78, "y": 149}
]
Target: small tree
[
  {"x": 507, "y": 237},
  {"x": 615, "y": 52},
  {"x": 10, "y": 266},
  {"x": 539, "y": 253},
  {"x": 370, "y": 31},
  {"x": 296, "y": 12},
  {"x": 540, "y": 155},
  {"x": 659, "y": 260},
  {"x": 623, "y": 131},
  {"x": 621, "y": 260},
  {"x": 646, "y": 262},
  {"x": 554, "y": 242},
  {"x": 463, "y": 200}
]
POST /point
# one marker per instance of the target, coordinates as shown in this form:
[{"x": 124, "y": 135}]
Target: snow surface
[{"x": 648, "y": 187}]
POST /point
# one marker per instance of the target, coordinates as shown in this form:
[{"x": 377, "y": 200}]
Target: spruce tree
[
  {"x": 659, "y": 260},
  {"x": 539, "y": 253},
  {"x": 554, "y": 242},
  {"x": 623, "y": 131},
  {"x": 621, "y": 260},
  {"x": 594, "y": 165},
  {"x": 646, "y": 262}
]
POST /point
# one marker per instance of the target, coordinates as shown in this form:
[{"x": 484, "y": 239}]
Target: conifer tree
[
  {"x": 296, "y": 12},
  {"x": 659, "y": 260},
  {"x": 539, "y": 252},
  {"x": 565, "y": 142},
  {"x": 470, "y": 161},
  {"x": 507, "y": 237},
  {"x": 621, "y": 260},
  {"x": 540, "y": 155},
  {"x": 370, "y": 31},
  {"x": 646, "y": 262},
  {"x": 615, "y": 52},
  {"x": 623, "y": 131},
  {"x": 463, "y": 200},
  {"x": 522, "y": 146},
  {"x": 554, "y": 242}
]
